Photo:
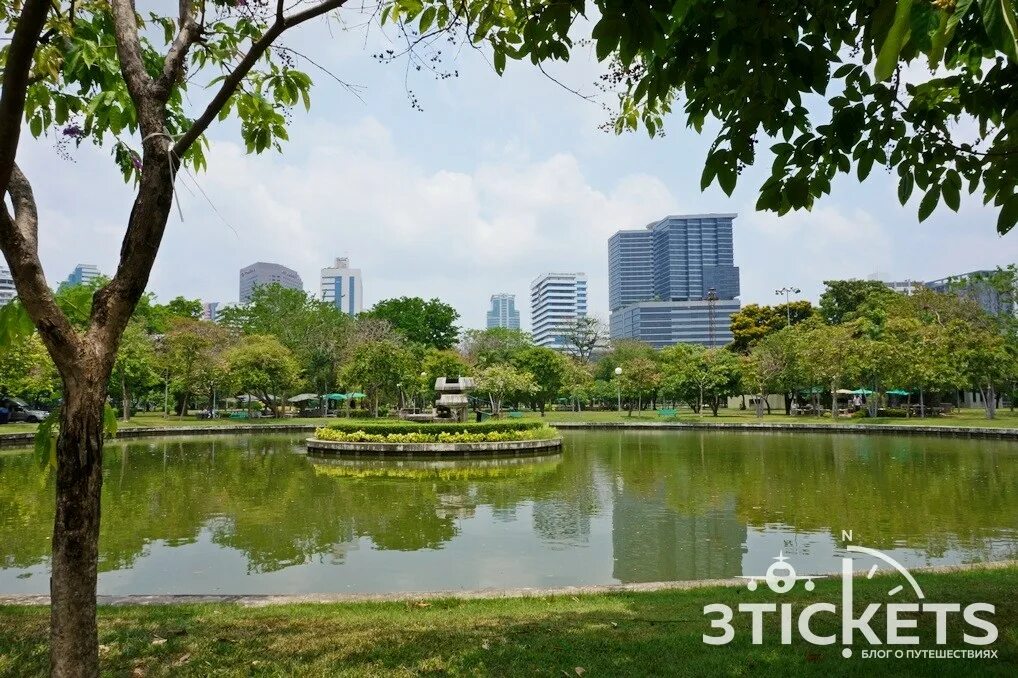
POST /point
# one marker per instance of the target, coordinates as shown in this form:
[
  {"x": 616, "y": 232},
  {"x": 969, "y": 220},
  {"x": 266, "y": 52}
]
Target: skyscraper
[
  {"x": 674, "y": 281},
  {"x": 262, "y": 273},
  {"x": 503, "y": 312},
  {"x": 82, "y": 274},
  {"x": 7, "y": 290},
  {"x": 341, "y": 286},
  {"x": 556, "y": 299}
]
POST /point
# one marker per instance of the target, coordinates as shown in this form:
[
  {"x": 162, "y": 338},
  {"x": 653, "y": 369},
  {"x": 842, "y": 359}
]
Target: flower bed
[{"x": 437, "y": 433}]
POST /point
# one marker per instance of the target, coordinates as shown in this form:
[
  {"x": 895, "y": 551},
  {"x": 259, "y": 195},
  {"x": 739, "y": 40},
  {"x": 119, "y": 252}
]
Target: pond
[{"x": 253, "y": 514}]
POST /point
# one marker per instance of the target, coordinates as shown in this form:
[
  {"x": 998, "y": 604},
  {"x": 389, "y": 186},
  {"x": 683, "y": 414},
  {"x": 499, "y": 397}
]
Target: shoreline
[
  {"x": 270, "y": 599},
  {"x": 23, "y": 439}
]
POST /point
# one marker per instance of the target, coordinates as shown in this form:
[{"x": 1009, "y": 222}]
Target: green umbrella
[
  {"x": 862, "y": 391},
  {"x": 898, "y": 392},
  {"x": 336, "y": 396},
  {"x": 356, "y": 395}
]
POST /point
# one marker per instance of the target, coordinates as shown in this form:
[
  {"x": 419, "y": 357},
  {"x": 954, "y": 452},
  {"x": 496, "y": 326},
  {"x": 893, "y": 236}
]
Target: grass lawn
[
  {"x": 157, "y": 420},
  {"x": 637, "y": 634},
  {"x": 960, "y": 417}
]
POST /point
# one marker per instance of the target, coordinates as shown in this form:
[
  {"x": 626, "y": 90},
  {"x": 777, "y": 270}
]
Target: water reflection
[{"x": 252, "y": 514}]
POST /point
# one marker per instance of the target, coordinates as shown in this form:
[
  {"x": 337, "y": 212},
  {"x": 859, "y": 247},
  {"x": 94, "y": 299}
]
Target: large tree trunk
[{"x": 74, "y": 644}]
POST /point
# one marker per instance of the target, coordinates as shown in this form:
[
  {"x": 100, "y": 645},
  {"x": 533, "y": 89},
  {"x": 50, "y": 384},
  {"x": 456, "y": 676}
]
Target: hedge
[
  {"x": 361, "y": 436},
  {"x": 403, "y": 427}
]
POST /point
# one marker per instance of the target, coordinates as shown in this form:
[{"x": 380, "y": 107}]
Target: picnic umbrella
[
  {"x": 303, "y": 397},
  {"x": 898, "y": 392},
  {"x": 354, "y": 396},
  {"x": 844, "y": 391},
  {"x": 862, "y": 391},
  {"x": 336, "y": 396}
]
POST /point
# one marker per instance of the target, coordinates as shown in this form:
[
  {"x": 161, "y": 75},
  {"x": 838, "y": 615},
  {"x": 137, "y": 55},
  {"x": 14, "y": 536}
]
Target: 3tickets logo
[{"x": 898, "y": 625}]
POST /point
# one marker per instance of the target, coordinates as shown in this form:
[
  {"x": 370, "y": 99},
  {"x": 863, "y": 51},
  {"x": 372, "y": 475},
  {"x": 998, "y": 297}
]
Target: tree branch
[
  {"x": 233, "y": 80},
  {"x": 125, "y": 29},
  {"x": 16, "y": 82},
  {"x": 20, "y": 244},
  {"x": 190, "y": 31}
]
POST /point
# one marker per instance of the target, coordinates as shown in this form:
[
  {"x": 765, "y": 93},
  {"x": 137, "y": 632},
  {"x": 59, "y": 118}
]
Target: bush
[
  {"x": 430, "y": 436},
  {"x": 386, "y": 427}
]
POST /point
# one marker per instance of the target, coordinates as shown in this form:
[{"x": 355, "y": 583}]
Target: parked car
[{"x": 19, "y": 410}]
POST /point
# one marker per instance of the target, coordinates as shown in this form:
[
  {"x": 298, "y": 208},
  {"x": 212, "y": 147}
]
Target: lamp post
[
  {"x": 618, "y": 373},
  {"x": 424, "y": 387},
  {"x": 787, "y": 291}
]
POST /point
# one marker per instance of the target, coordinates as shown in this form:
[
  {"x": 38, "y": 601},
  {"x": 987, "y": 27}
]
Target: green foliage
[
  {"x": 754, "y": 322},
  {"x": 697, "y": 375},
  {"x": 261, "y": 365},
  {"x": 429, "y": 436},
  {"x": 548, "y": 369},
  {"x": 378, "y": 368},
  {"x": 431, "y": 323},
  {"x": 26, "y": 370},
  {"x": 501, "y": 381},
  {"x": 495, "y": 345},
  {"x": 842, "y": 299},
  {"x": 406, "y": 427},
  {"x": 45, "y": 441}
]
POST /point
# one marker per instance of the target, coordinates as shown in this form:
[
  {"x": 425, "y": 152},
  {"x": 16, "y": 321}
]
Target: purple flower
[
  {"x": 136, "y": 161},
  {"x": 73, "y": 131}
]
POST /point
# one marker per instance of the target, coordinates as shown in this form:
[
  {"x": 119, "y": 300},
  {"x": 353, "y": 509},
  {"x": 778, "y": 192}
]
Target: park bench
[
  {"x": 514, "y": 414},
  {"x": 667, "y": 412}
]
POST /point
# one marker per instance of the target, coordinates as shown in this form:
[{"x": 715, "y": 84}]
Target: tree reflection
[{"x": 678, "y": 504}]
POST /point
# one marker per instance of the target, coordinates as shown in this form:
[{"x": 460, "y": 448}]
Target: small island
[{"x": 405, "y": 437}]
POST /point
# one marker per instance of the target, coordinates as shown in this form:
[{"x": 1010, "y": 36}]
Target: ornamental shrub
[
  {"x": 380, "y": 427},
  {"x": 369, "y": 435}
]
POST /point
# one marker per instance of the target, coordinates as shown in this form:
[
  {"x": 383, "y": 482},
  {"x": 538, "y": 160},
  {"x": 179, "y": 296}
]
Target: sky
[{"x": 496, "y": 181}]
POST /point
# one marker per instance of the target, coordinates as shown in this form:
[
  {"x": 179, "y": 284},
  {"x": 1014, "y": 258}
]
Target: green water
[{"x": 252, "y": 514}]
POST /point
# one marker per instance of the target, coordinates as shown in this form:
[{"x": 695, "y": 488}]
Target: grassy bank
[
  {"x": 633, "y": 634},
  {"x": 961, "y": 417}
]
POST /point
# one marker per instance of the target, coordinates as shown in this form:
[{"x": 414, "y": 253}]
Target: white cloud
[{"x": 457, "y": 235}]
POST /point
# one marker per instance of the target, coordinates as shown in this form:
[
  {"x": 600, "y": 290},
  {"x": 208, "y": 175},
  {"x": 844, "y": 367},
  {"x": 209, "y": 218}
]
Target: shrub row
[
  {"x": 403, "y": 427},
  {"x": 461, "y": 436}
]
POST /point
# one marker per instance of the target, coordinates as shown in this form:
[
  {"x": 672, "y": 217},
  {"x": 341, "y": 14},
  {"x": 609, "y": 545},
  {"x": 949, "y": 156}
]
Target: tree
[
  {"x": 583, "y": 335},
  {"x": 317, "y": 333},
  {"x": 378, "y": 367},
  {"x": 829, "y": 356},
  {"x": 640, "y": 376},
  {"x": 842, "y": 299},
  {"x": 262, "y": 366},
  {"x": 26, "y": 370},
  {"x": 548, "y": 368},
  {"x": 135, "y": 366},
  {"x": 500, "y": 381},
  {"x": 495, "y": 345},
  {"x": 430, "y": 323},
  {"x": 754, "y": 322},
  {"x": 192, "y": 358},
  {"x": 698, "y": 375},
  {"x": 623, "y": 350},
  {"x": 762, "y": 368}
]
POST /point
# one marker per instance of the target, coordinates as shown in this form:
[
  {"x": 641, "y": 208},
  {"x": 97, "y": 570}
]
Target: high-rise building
[
  {"x": 341, "y": 286},
  {"x": 976, "y": 286},
  {"x": 7, "y": 290},
  {"x": 262, "y": 273},
  {"x": 211, "y": 310},
  {"x": 82, "y": 274},
  {"x": 674, "y": 281},
  {"x": 503, "y": 312},
  {"x": 556, "y": 299}
]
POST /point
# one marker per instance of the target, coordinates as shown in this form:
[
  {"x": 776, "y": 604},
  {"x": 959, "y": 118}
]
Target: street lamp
[
  {"x": 618, "y": 373},
  {"x": 787, "y": 291}
]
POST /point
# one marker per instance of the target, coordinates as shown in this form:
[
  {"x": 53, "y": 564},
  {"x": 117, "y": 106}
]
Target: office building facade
[
  {"x": 263, "y": 273},
  {"x": 976, "y": 286},
  {"x": 7, "y": 291},
  {"x": 556, "y": 300},
  {"x": 82, "y": 274},
  {"x": 674, "y": 281},
  {"x": 341, "y": 286},
  {"x": 503, "y": 312}
]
